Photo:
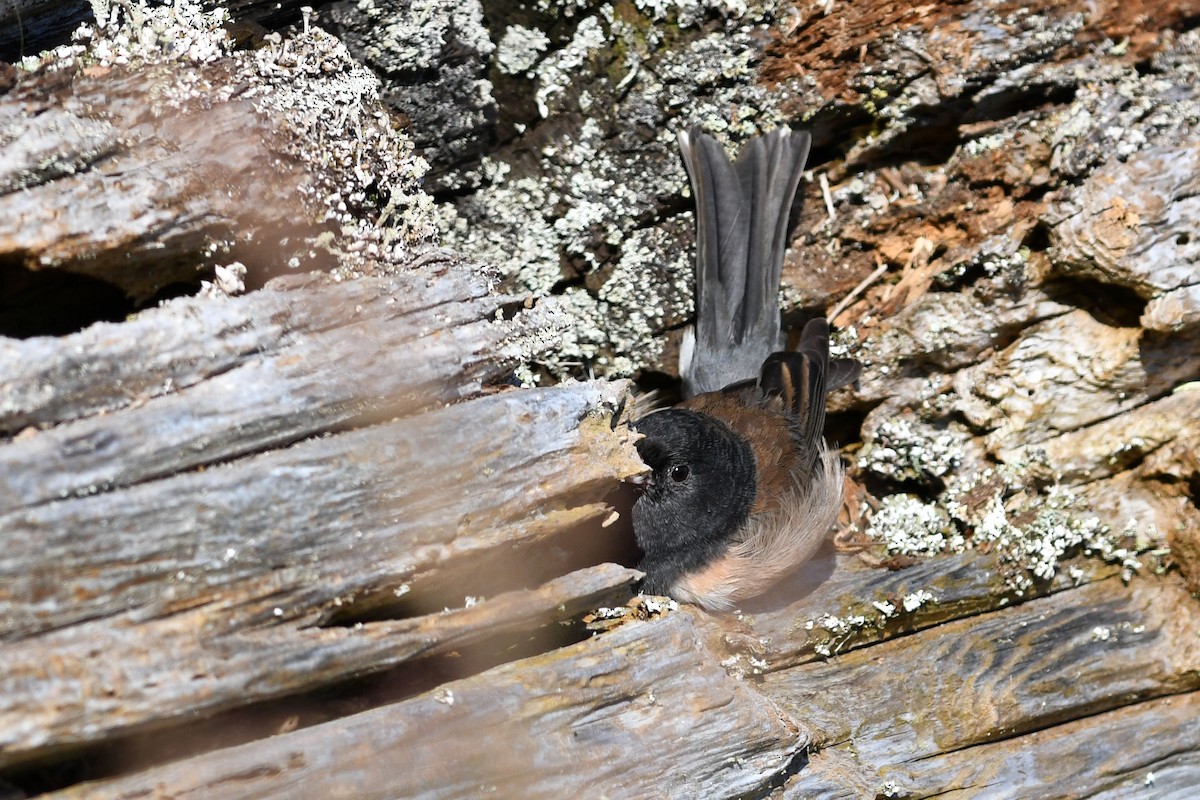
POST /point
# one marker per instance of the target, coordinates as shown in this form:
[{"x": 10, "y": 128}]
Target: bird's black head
[{"x": 700, "y": 490}]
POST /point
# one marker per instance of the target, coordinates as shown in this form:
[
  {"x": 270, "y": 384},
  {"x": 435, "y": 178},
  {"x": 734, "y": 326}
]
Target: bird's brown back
[{"x": 768, "y": 430}]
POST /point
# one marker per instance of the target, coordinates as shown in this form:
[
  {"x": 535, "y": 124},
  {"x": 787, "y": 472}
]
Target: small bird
[{"x": 742, "y": 487}]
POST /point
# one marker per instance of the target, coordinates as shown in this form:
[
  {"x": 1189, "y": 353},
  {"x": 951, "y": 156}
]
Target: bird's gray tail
[{"x": 742, "y": 211}]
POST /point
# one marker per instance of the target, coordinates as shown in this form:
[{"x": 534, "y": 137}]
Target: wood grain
[
  {"x": 1147, "y": 750},
  {"x": 644, "y": 711},
  {"x": 132, "y": 671},
  {"x": 305, "y": 373},
  {"x": 998, "y": 677}
]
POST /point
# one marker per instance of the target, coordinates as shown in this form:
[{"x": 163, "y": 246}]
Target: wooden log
[
  {"x": 203, "y": 381},
  {"x": 836, "y": 604},
  {"x": 644, "y": 711},
  {"x": 994, "y": 680},
  {"x": 139, "y": 670},
  {"x": 1145, "y": 750},
  {"x": 1128, "y": 225},
  {"x": 919, "y": 713},
  {"x": 142, "y": 162},
  {"x": 1117, "y": 443},
  {"x": 288, "y": 538},
  {"x": 134, "y": 199},
  {"x": 236, "y": 505}
]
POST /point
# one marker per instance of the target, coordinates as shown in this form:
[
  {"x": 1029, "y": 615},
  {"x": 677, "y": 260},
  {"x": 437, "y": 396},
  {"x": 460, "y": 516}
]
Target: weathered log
[
  {"x": 144, "y": 180},
  {"x": 1145, "y": 750},
  {"x": 204, "y": 383},
  {"x": 184, "y": 576},
  {"x": 231, "y": 506},
  {"x": 909, "y": 713},
  {"x": 975, "y": 709},
  {"x": 642, "y": 711},
  {"x": 135, "y": 199}
]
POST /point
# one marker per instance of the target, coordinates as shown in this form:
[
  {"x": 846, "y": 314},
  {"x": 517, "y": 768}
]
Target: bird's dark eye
[{"x": 680, "y": 473}]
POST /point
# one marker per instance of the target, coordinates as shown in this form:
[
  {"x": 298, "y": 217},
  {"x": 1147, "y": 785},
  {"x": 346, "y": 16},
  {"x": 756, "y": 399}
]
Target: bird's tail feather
[
  {"x": 803, "y": 378},
  {"x": 742, "y": 211}
]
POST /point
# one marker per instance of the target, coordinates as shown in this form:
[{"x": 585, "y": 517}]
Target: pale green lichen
[
  {"x": 831, "y": 634},
  {"x": 362, "y": 175},
  {"x": 911, "y": 526},
  {"x": 135, "y": 31},
  {"x": 1110, "y": 94},
  {"x": 899, "y": 451},
  {"x": 412, "y": 35},
  {"x": 367, "y": 172},
  {"x": 1001, "y": 509},
  {"x": 554, "y": 231},
  {"x": 520, "y": 48},
  {"x": 559, "y": 69},
  {"x": 687, "y": 13}
]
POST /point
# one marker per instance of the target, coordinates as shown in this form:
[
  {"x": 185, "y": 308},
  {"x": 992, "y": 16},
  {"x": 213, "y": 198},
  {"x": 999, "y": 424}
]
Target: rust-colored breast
[{"x": 769, "y": 434}]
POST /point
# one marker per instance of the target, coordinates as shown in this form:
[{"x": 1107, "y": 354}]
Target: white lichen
[
  {"x": 910, "y": 526},
  {"x": 898, "y": 450},
  {"x": 557, "y": 230},
  {"x": 659, "y": 605},
  {"x": 557, "y": 71},
  {"x": 914, "y": 600},
  {"x": 519, "y": 49},
  {"x": 362, "y": 176}
]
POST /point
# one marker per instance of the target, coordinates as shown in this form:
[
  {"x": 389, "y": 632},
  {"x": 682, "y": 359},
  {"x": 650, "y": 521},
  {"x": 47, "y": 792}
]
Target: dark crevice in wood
[
  {"x": 50, "y": 27},
  {"x": 1108, "y": 303},
  {"x": 1193, "y": 490},
  {"x": 1038, "y": 238},
  {"x": 574, "y": 280},
  {"x": 510, "y": 310},
  {"x": 54, "y": 302},
  {"x": 834, "y": 131},
  {"x": 1188, "y": 23},
  {"x": 794, "y": 766},
  {"x": 682, "y": 324},
  {"x": 935, "y": 135},
  {"x": 969, "y": 277},
  {"x": 515, "y": 94},
  {"x": 668, "y": 386},
  {"x": 1007, "y": 105},
  {"x": 667, "y": 208},
  {"x": 845, "y": 427}
]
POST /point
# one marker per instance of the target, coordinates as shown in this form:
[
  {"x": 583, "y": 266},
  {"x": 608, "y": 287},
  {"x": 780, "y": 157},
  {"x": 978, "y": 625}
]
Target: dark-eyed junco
[{"x": 742, "y": 488}]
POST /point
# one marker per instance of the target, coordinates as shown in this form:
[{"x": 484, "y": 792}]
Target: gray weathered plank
[
  {"x": 998, "y": 677},
  {"x": 325, "y": 356},
  {"x": 118, "y": 675},
  {"x": 1147, "y": 750},
  {"x": 403, "y": 492},
  {"x": 783, "y": 627},
  {"x": 110, "y": 366},
  {"x": 644, "y": 711}
]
